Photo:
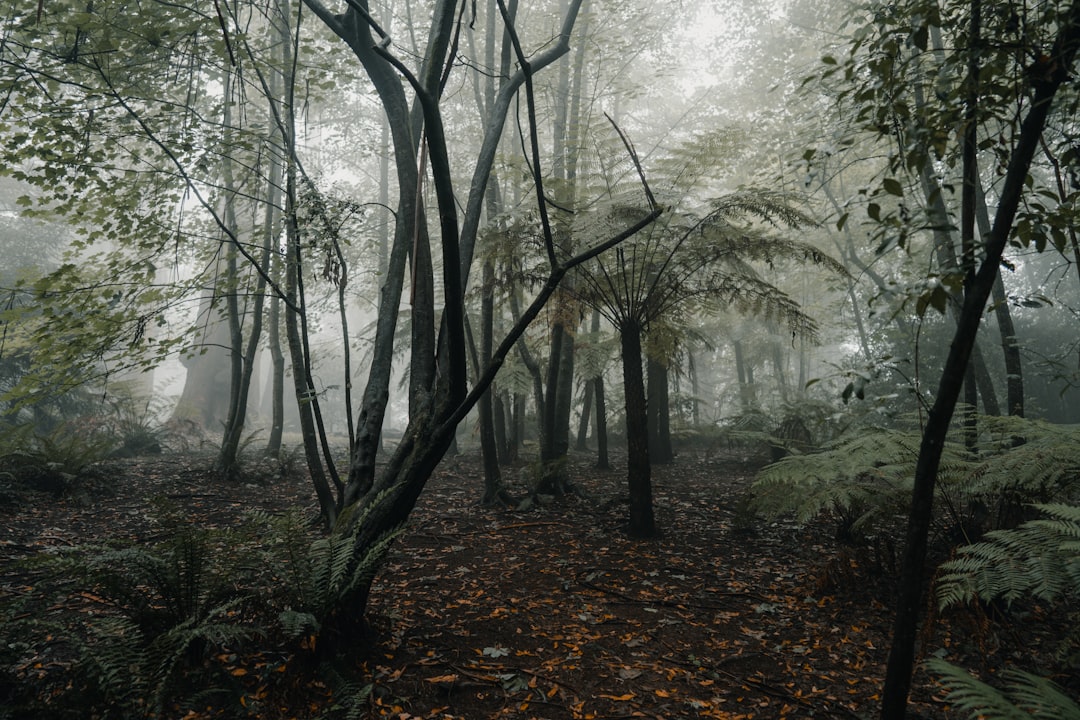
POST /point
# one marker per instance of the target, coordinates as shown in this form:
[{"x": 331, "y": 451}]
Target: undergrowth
[
  {"x": 162, "y": 626},
  {"x": 1015, "y": 489}
]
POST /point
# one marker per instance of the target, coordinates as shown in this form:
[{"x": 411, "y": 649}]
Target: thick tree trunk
[{"x": 639, "y": 471}]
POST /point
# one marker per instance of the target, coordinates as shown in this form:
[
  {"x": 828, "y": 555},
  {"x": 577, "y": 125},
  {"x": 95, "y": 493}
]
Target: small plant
[
  {"x": 167, "y": 608},
  {"x": 135, "y": 427}
]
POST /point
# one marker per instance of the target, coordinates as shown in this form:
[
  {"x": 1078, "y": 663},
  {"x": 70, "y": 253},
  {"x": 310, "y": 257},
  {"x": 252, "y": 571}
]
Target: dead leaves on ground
[{"x": 489, "y": 615}]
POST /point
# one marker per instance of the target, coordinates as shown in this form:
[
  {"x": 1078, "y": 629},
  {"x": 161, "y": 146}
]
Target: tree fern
[{"x": 1024, "y": 697}]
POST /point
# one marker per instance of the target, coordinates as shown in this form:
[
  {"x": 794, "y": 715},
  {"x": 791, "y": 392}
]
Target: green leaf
[{"x": 893, "y": 187}]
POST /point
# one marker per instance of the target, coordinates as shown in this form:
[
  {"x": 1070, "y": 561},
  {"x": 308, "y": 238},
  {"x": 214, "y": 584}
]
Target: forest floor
[{"x": 554, "y": 612}]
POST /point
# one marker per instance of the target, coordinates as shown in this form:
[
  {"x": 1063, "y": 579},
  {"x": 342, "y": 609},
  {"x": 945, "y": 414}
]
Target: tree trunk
[
  {"x": 244, "y": 359},
  {"x": 695, "y": 389},
  {"x": 902, "y": 653},
  {"x": 744, "y": 374},
  {"x": 500, "y": 419},
  {"x": 494, "y": 492},
  {"x": 305, "y": 394},
  {"x": 586, "y": 411},
  {"x": 277, "y": 383},
  {"x": 554, "y": 428},
  {"x": 639, "y": 471},
  {"x": 603, "y": 462},
  {"x": 1010, "y": 347}
]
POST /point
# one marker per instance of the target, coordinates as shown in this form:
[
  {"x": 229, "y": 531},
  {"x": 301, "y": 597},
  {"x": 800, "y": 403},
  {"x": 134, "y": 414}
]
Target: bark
[
  {"x": 586, "y": 411},
  {"x": 494, "y": 491},
  {"x": 639, "y": 472},
  {"x": 277, "y": 382},
  {"x": 555, "y": 421},
  {"x": 305, "y": 394},
  {"x": 500, "y": 419},
  {"x": 1010, "y": 346},
  {"x": 905, "y": 628},
  {"x": 244, "y": 359},
  {"x": 695, "y": 389}
]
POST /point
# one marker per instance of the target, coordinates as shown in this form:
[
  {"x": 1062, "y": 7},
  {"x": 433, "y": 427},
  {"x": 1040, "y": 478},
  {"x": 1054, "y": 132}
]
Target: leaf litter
[{"x": 555, "y": 612}]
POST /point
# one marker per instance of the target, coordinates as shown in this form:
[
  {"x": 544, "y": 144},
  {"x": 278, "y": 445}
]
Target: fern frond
[
  {"x": 1045, "y": 466},
  {"x": 1039, "y": 558},
  {"x": 865, "y": 475},
  {"x": 113, "y": 660},
  {"x": 1025, "y": 696}
]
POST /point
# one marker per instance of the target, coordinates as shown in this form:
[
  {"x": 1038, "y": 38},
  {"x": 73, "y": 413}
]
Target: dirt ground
[{"x": 554, "y": 613}]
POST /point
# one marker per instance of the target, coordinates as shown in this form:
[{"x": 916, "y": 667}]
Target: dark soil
[{"x": 550, "y": 613}]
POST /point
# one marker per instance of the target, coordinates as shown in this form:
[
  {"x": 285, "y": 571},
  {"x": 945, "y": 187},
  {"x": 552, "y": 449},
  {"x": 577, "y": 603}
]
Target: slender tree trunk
[
  {"x": 494, "y": 492},
  {"x": 639, "y": 471},
  {"x": 305, "y": 394},
  {"x": 695, "y": 388},
  {"x": 603, "y": 462},
  {"x": 902, "y": 653},
  {"x": 500, "y": 419},
  {"x": 277, "y": 374},
  {"x": 586, "y": 411},
  {"x": 1010, "y": 346}
]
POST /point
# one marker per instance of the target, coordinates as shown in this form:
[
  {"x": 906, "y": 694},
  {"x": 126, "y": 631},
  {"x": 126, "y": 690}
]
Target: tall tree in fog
[{"x": 1004, "y": 96}]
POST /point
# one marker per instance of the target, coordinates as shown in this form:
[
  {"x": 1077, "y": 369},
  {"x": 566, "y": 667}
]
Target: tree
[
  {"x": 698, "y": 259},
  {"x": 375, "y": 509},
  {"x": 1007, "y": 76}
]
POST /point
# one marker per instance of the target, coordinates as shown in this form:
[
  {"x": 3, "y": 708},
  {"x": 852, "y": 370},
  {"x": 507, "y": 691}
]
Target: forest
[{"x": 583, "y": 359}]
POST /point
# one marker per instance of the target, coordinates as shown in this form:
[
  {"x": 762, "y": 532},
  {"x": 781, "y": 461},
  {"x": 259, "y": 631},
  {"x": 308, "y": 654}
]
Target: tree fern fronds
[
  {"x": 1039, "y": 558},
  {"x": 776, "y": 208},
  {"x": 1025, "y": 696}
]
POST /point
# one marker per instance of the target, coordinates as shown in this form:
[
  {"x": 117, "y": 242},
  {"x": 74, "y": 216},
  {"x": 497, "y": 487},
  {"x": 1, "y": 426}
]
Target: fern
[
  {"x": 1041, "y": 558},
  {"x": 869, "y": 474},
  {"x": 1032, "y": 459},
  {"x": 1025, "y": 696},
  {"x": 861, "y": 477}
]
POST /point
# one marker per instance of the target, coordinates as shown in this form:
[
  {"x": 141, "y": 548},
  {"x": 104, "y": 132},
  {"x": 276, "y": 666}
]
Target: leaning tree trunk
[
  {"x": 638, "y": 471},
  {"x": 902, "y": 653}
]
